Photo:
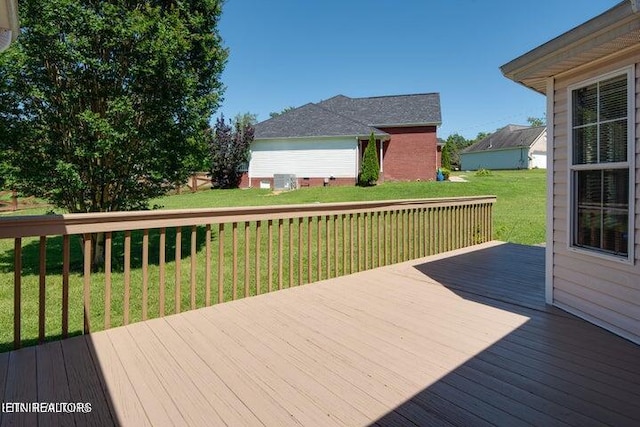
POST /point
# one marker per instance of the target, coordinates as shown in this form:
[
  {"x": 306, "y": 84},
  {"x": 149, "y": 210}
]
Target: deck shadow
[{"x": 554, "y": 369}]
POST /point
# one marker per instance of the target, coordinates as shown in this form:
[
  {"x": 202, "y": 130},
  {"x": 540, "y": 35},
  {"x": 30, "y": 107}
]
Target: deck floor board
[{"x": 456, "y": 339}]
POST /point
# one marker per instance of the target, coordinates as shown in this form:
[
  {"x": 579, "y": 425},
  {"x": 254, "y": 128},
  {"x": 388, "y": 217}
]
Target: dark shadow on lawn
[{"x": 31, "y": 251}]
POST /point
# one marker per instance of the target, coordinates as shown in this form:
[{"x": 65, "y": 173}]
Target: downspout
[{"x": 549, "y": 255}]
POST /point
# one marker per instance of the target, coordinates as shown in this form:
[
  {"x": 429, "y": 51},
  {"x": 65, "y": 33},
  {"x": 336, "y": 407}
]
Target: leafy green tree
[
  {"x": 454, "y": 144},
  {"x": 445, "y": 160},
  {"x": 244, "y": 119},
  {"x": 537, "y": 121},
  {"x": 277, "y": 113},
  {"x": 106, "y": 105},
  {"x": 229, "y": 152},
  {"x": 370, "y": 168}
]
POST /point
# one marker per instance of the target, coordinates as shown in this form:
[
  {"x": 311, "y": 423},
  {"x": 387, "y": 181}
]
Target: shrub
[
  {"x": 446, "y": 173},
  {"x": 483, "y": 172},
  {"x": 370, "y": 169}
]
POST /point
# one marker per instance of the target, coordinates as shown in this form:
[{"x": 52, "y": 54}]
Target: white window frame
[{"x": 630, "y": 164}]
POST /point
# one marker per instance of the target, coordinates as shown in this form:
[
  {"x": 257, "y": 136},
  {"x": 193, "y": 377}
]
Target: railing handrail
[{"x": 48, "y": 225}]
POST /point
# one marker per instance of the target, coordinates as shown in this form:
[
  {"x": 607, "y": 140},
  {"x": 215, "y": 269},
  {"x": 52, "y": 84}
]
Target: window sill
[{"x": 628, "y": 260}]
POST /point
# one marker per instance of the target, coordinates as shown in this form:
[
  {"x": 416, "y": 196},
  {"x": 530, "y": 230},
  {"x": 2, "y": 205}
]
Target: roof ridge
[{"x": 396, "y": 96}]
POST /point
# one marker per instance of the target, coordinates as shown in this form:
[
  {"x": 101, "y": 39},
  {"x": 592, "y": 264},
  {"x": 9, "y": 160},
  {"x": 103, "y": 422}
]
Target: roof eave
[
  {"x": 405, "y": 125},
  {"x": 273, "y": 138},
  {"x": 534, "y": 67}
]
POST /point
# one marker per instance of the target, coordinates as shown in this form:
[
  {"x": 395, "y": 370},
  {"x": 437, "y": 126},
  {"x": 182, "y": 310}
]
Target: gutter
[{"x": 604, "y": 28}]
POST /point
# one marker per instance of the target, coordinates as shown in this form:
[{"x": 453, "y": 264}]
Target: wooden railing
[{"x": 250, "y": 250}]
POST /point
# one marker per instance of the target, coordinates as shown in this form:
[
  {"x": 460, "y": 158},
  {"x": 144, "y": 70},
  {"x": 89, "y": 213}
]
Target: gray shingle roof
[
  {"x": 344, "y": 116},
  {"x": 511, "y": 136},
  {"x": 312, "y": 120},
  {"x": 422, "y": 108}
]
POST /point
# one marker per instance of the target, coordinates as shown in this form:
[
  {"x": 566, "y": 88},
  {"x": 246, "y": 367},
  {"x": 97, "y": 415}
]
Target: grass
[
  {"x": 519, "y": 217},
  {"x": 519, "y": 214}
]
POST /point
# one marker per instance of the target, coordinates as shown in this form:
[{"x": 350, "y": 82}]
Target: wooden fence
[
  {"x": 227, "y": 252},
  {"x": 11, "y": 204}
]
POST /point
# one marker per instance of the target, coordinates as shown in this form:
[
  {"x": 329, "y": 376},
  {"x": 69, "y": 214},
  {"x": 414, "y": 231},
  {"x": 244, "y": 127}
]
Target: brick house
[{"x": 324, "y": 142}]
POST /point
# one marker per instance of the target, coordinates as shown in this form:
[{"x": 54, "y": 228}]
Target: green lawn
[
  {"x": 519, "y": 217},
  {"x": 519, "y": 214}
]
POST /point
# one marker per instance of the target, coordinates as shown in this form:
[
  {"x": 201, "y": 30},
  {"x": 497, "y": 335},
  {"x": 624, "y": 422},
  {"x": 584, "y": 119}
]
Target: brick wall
[{"x": 411, "y": 154}]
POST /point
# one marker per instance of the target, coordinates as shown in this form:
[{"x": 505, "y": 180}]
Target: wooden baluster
[
  {"x": 207, "y": 267},
  {"x": 87, "y": 284},
  {"x": 246, "y": 259},
  {"x": 335, "y": 246},
  {"x": 220, "y": 263},
  {"x": 392, "y": 236},
  {"x": 309, "y": 254},
  {"x": 344, "y": 243},
  {"x": 299, "y": 251},
  {"x": 290, "y": 251},
  {"x": 194, "y": 255},
  {"x": 366, "y": 240},
  {"x": 178, "y": 260},
  {"x": 359, "y": 238},
  {"x": 270, "y": 254},
  {"x": 42, "y": 289},
  {"x": 162, "y": 262},
  {"x": 234, "y": 273},
  {"x": 107, "y": 279},
  {"x": 66, "y": 261},
  {"x": 351, "y": 245},
  {"x": 379, "y": 237},
  {"x": 145, "y": 274},
  {"x": 280, "y": 254},
  {"x": 127, "y": 276},
  {"x": 319, "y": 247},
  {"x": 384, "y": 237},
  {"x": 327, "y": 232},
  {"x": 258, "y": 252},
  {"x": 17, "y": 292}
]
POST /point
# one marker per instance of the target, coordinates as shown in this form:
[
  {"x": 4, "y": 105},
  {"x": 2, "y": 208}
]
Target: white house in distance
[
  {"x": 590, "y": 77},
  {"x": 512, "y": 147},
  {"x": 323, "y": 143}
]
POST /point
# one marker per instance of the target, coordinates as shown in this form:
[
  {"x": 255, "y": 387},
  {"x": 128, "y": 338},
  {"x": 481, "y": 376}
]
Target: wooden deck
[{"x": 462, "y": 338}]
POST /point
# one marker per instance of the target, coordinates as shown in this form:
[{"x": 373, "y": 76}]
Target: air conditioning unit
[{"x": 284, "y": 181}]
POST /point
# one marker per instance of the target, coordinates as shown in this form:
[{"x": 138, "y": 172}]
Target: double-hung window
[{"x": 601, "y": 129}]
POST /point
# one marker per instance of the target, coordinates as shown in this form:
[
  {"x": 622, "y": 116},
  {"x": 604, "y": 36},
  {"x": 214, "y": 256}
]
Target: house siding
[
  {"x": 516, "y": 158},
  {"x": 601, "y": 290},
  {"x": 316, "y": 158},
  {"x": 410, "y": 154}
]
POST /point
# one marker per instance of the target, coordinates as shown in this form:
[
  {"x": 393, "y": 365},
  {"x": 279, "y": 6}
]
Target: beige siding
[{"x": 602, "y": 290}]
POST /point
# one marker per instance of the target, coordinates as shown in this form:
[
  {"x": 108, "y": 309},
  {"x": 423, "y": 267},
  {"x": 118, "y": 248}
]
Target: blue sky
[{"x": 291, "y": 52}]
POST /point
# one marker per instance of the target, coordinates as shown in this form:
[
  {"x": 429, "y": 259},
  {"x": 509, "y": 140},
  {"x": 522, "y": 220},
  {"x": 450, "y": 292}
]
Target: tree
[
  {"x": 284, "y": 110},
  {"x": 229, "y": 152},
  {"x": 454, "y": 144},
  {"x": 445, "y": 159},
  {"x": 369, "y": 169},
  {"x": 537, "y": 121},
  {"x": 243, "y": 119},
  {"x": 106, "y": 104}
]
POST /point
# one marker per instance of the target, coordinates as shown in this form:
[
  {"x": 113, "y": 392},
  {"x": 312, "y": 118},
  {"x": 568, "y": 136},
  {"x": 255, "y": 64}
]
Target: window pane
[
  {"x": 585, "y": 145},
  {"x": 616, "y": 232},
  {"x": 616, "y": 188},
  {"x": 589, "y": 227},
  {"x": 585, "y": 109},
  {"x": 589, "y": 189},
  {"x": 613, "y": 98},
  {"x": 613, "y": 141}
]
